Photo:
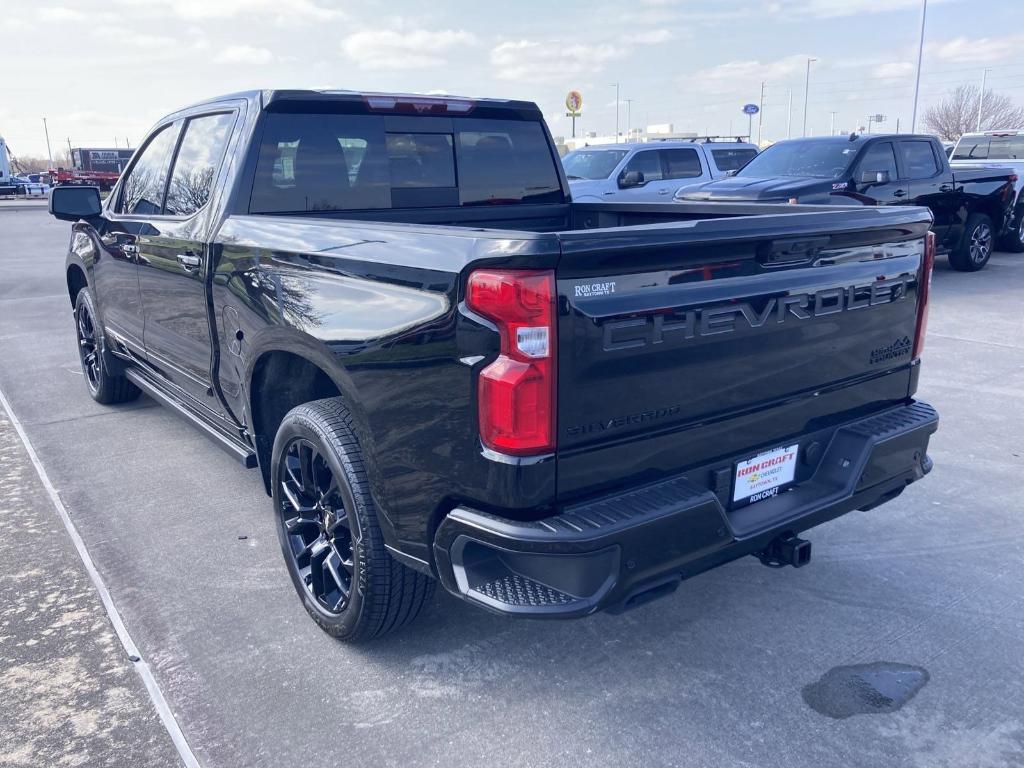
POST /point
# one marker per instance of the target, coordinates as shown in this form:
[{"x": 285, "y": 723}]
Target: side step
[{"x": 243, "y": 454}]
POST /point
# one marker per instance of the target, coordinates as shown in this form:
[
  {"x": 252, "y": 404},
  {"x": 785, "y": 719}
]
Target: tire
[
  {"x": 329, "y": 532},
  {"x": 1013, "y": 241},
  {"x": 104, "y": 387},
  {"x": 976, "y": 245}
]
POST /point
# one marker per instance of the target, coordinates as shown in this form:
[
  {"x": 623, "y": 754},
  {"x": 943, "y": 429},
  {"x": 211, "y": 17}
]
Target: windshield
[
  {"x": 990, "y": 148},
  {"x": 818, "y": 159},
  {"x": 592, "y": 163}
]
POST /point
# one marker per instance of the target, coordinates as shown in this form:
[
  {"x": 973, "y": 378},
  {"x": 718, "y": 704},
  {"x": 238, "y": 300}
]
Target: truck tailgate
[{"x": 706, "y": 340}]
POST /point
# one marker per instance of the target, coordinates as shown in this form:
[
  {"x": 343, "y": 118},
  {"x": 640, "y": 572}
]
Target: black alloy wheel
[
  {"x": 88, "y": 347},
  {"x": 320, "y": 530}
]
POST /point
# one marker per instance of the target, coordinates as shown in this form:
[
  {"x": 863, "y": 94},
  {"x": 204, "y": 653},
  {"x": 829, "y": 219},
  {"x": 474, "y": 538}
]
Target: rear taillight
[
  {"x": 517, "y": 391},
  {"x": 923, "y": 290},
  {"x": 418, "y": 105}
]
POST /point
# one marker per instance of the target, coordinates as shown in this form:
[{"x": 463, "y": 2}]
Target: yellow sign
[{"x": 574, "y": 102}]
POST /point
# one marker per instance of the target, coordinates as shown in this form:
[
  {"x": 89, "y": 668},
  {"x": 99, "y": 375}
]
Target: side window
[
  {"x": 919, "y": 159},
  {"x": 648, "y": 163},
  {"x": 143, "y": 189},
  {"x": 880, "y": 157},
  {"x": 681, "y": 163},
  {"x": 197, "y": 162}
]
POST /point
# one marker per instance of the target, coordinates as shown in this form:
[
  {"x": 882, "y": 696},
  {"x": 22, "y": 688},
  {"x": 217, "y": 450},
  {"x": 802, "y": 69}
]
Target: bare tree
[{"x": 957, "y": 114}]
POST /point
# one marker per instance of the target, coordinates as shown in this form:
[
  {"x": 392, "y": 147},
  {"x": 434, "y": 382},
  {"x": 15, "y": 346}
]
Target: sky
[{"x": 104, "y": 71}]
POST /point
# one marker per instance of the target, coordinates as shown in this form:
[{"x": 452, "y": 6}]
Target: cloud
[
  {"x": 60, "y": 13},
  {"x": 840, "y": 8},
  {"x": 980, "y": 50},
  {"x": 244, "y": 54},
  {"x": 533, "y": 61},
  {"x": 403, "y": 49},
  {"x": 738, "y": 75},
  {"x": 651, "y": 38},
  {"x": 894, "y": 69},
  {"x": 196, "y": 10}
]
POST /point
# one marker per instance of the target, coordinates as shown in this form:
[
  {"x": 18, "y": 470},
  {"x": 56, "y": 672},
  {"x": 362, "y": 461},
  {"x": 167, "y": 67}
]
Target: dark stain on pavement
[{"x": 865, "y": 689}]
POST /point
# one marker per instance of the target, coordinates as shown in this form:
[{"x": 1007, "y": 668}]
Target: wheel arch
[
  {"x": 76, "y": 280},
  {"x": 283, "y": 376}
]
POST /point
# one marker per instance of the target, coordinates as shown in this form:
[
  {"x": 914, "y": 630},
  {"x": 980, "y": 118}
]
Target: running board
[{"x": 246, "y": 456}]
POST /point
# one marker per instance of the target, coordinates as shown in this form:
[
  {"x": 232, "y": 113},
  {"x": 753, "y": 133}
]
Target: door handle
[
  {"x": 899, "y": 193},
  {"x": 664, "y": 191},
  {"x": 189, "y": 262},
  {"x": 130, "y": 250}
]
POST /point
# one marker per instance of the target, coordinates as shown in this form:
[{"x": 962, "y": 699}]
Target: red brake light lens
[
  {"x": 923, "y": 293},
  {"x": 418, "y": 105},
  {"x": 517, "y": 391}
]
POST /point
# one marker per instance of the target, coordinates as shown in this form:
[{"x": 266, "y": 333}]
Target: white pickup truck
[{"x": 1005, "y": 149}]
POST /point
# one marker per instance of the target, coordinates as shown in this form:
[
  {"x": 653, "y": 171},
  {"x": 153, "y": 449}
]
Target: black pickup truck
[
  {"x": 972, "y": 207},
  {"x": 447, "y": 370}
]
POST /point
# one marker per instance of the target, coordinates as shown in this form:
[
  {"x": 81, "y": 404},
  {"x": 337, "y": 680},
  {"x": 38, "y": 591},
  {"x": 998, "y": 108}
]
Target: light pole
[
  {"x": 981, "y": 96},
  {"x": 920, "y": 55},
  {"x": 832, "y": 124},
  {"x": 616, "y": 87},
  {"x": 629, "y": 118},
  {"x": 760, "y": 115},
  {"x": 789, "y": 116},
  {"x": 49, "y": 155},
  {"x": 807, "y": 88}
]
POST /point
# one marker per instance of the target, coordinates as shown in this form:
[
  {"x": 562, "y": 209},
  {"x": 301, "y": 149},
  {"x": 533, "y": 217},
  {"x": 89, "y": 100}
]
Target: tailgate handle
[{"x": 797, "y": 250}]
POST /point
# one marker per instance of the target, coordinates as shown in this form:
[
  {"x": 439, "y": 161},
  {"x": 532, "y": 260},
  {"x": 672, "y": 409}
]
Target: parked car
[
  {"x": 444, "y": 369},
  {"x": 972, "y": 206},
  {"x": 1004, "y": 149},
  {"x": 649, "y": 171}
]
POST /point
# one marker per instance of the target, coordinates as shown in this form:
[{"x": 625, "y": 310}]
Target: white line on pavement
[{"x": 155, "y": 694}]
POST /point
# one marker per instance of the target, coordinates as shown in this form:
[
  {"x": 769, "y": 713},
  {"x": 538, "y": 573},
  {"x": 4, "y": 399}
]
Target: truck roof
[
  {"x": 858, "y": 138},
  {"x": 662, "y": 143},
  {"x": 264, "y": 98}
]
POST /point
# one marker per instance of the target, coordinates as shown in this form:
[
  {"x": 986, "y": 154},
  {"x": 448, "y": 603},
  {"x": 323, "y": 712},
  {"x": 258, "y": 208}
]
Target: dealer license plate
[{"x": 765, "y": 475}]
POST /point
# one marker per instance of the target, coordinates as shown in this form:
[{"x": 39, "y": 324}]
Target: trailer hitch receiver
[{"x": 786, "y": 550}]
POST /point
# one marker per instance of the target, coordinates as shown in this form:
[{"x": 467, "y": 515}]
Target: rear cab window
[
  {"x": 732, "y": 159},
  {"x": 990, "y": 148},
  {"x": 354, "y": 162}
]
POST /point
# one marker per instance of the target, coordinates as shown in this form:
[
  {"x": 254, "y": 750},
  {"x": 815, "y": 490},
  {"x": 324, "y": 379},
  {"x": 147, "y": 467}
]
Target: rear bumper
[{"x": 620, "y": 550}]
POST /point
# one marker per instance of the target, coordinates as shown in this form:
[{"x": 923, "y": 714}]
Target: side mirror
[
  {"x": 74, "y": 203},
  {"x": 874, "y": 177},
  {"x": 631, "y": 179},
  {"x": 731, "y": 173}
]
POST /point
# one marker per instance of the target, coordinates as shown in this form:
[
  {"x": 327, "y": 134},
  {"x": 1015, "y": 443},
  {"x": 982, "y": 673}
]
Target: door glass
[
  {"x": 196, "y": 164},
  {"x": 919, "y": 159},
  {"x": 681, "y": 163},
  {"x": 648, "y": 163},
  {"x": 732, "y": 159},
  {"x": 880, "y": 157},
  {"x": 144, "y": 186}
]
